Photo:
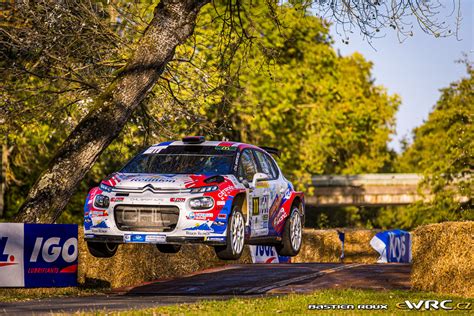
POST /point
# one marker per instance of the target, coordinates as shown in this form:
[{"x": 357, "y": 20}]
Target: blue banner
[
  {"x": 50, "y": 255},
  {"x": 393, "y": 246}
]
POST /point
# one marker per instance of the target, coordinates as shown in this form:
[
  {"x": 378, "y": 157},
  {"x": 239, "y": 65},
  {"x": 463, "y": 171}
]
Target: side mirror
[{"x": 259, "y": 176}]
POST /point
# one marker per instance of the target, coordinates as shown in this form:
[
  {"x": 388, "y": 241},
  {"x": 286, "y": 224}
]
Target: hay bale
[
  {"x": 325, "y": 246},
  {"x": 135, "y": 264},
  {"x": 443, "y": 258}
]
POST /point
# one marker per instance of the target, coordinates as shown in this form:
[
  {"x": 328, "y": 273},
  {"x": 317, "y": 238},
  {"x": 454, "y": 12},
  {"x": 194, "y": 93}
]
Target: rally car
[{"x": 219, "y": 193}]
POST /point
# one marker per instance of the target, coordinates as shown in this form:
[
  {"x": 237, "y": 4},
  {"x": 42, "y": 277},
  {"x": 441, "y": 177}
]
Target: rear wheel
[
  {"x": 292, "y": 234},
  {"x": 102, "y": 249},
  {"x": 235, "y": 237},
  {"x": 164, "y": 248}
]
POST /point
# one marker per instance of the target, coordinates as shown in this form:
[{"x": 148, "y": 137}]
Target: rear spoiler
[{"x": 271, "y": 150}]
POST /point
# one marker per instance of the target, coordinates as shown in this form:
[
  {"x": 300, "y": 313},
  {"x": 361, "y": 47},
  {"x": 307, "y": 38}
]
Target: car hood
[{"x": 157, "y": 181}]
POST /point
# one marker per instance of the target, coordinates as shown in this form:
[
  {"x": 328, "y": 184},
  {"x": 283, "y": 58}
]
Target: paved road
[{"x": 250, "y": 280}]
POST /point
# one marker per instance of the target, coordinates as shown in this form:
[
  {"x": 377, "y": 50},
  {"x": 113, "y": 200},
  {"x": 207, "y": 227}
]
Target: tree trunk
[
  {"x": 172, "y": 24},
  {"x": 3, "y": 177}
]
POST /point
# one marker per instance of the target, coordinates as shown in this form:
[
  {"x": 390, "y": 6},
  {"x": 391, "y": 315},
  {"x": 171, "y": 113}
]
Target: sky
[{"x": 417, "y": 68}]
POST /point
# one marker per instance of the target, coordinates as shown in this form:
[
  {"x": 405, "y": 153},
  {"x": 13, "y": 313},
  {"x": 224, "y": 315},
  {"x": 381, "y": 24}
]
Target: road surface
[{"x": 250, "y": 280}]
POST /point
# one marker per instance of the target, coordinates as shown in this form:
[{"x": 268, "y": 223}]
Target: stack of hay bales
[
  {"x": 325, "y": 246},
  {"x": 135, "y": 264},
  {"x": 443, "y": 258}
]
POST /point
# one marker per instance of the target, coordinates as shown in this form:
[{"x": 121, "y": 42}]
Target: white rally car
[{"x": 224, "y": 194}]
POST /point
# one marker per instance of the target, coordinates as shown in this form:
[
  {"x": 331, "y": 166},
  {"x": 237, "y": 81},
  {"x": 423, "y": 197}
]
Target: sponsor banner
[
  {"x": 11, "y": 255},
  {"x": 43, "y": 255},
  {"x": 267, "y": 254},
  {"x": 393, "y": 246}
]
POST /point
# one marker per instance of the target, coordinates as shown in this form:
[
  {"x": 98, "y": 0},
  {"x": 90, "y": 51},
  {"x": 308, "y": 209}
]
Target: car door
[
  {"x": 270, "y": 189},
  {"x": 248, "y": 167}
]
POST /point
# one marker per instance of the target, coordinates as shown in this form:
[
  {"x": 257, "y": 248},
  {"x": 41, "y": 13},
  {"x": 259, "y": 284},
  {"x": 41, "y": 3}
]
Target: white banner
[
  {"x": 11, "y": 255},
  {"x": 267, "y": 254}
]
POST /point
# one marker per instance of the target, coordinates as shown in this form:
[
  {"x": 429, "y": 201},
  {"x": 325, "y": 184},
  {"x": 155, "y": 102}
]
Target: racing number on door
[{"x": 255, "y": 206}]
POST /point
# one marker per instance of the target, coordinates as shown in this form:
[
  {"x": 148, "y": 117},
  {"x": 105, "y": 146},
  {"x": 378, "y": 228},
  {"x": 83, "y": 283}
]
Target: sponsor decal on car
[
  {"x": 160, "y": 179},
  {"x": 200, "y": 216},
  {"x": 230, "y": 148},
  {"x": 263, "y": 184},
  {"x": 98, "y": 213},
  {"x": 197, "y": 233},
  {"x": 213, "y": 238},
  {"x": 177, "y": 200},
  {"x": 117, "y": 199},
  {"x": 225, "y": 192},
  {"x": 144, "y": 238},
  {"x": 279, "y": 217},
  {"x": 255, "y": 206}
]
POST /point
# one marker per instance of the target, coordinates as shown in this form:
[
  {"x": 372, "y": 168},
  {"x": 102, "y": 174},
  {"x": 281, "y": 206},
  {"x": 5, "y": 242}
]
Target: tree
[
  {"x": 113, "y": 104},
  {"x": 443, "y": 150},
  {"x": 171, "y": 25},
  {"x": 322, "y": 110}
]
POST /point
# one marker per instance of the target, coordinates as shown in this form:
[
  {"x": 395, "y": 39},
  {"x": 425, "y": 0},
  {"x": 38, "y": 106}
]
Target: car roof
[{"x": 240, "y": 146}]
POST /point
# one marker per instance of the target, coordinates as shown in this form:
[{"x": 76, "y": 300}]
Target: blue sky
[{"x": 417, "y": 68}]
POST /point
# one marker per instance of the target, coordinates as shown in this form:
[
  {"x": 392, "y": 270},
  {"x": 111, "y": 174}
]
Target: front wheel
[
  {"x": 292, "y": 235},
  {"x": 235, "y": 237},
  {"x": 102, "y": 249}
]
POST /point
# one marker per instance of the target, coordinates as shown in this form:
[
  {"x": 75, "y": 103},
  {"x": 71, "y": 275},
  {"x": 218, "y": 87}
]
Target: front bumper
[{"x": 191, "y": 226}]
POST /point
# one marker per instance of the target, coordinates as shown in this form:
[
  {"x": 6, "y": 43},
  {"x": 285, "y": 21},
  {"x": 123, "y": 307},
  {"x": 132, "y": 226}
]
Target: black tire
[
  {"x": 235, "y": 239},
  {"x": 166, "y": 248},
  {"x": 102, "y": 249},
  {"x": 289, "y": 245}
]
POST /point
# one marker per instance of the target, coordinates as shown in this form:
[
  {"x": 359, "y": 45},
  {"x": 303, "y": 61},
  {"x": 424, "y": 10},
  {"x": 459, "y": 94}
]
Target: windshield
[{"x": 206, "y": 160}]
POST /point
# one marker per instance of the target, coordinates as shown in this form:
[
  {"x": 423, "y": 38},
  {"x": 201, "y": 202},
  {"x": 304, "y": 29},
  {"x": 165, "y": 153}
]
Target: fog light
[
  {"x": 101, "y": 201},
  {"x": 201, "y": 203}
]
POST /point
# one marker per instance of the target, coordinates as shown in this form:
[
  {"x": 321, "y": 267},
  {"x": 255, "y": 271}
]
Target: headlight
[
  {"x": 204, "y": 189},
  {"x": 101, "y": 201},
  {"x": 201, "y": 203}
]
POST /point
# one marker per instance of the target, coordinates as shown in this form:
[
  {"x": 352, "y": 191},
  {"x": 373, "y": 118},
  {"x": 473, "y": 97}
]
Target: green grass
[
  {"x": 298, "y": 304},
  {"x": 283, "y": 304},
  {"x": 19, "y": 294}
]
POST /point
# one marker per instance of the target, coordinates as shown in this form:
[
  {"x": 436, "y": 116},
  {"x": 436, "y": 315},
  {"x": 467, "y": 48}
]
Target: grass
[
  {"x": 298, "y": 304},
  {"x": 19, "y": 294}
]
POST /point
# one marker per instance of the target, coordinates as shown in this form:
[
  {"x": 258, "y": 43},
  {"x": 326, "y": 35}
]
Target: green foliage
[
  {"x": 279, "y": 86},
  {"x": 443, "y": 150},
  {"x": 292, "y": 91}
]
